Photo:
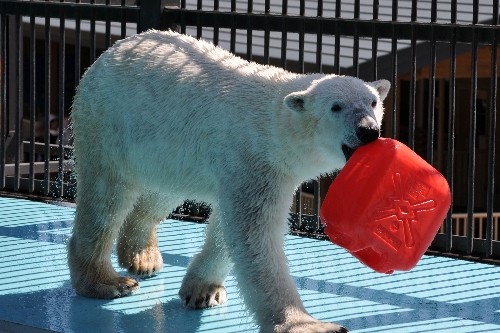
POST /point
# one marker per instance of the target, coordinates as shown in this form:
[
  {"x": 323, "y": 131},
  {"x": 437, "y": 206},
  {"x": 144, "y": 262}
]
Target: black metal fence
[{"x": 440, "y": 56}]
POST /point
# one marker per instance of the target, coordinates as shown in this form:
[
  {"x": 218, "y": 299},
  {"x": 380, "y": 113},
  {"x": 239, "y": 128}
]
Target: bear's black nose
[
  {"x": 367, "y": 134},
  {"x": 367, "y": 130}
]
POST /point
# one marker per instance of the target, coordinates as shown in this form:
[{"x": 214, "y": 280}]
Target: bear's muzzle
[{"x": 367, "y": 130}]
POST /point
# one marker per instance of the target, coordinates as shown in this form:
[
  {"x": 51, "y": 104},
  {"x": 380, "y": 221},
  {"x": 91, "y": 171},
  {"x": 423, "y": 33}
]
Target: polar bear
[{"x": 161, "y": 117}]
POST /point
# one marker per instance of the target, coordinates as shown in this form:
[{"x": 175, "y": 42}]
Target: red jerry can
[{"x": 386, "y": 206}]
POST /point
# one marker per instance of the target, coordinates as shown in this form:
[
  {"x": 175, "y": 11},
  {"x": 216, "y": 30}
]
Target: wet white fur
[{"x": 161, "y": 117}]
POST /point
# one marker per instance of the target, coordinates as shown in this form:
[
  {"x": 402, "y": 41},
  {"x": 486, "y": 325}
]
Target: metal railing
[{"x": 440, "y": 56}]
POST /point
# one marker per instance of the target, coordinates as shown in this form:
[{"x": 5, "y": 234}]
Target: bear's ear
[
  {"x": 383, "y": 87},
  {"x": 295, "y": 101}
]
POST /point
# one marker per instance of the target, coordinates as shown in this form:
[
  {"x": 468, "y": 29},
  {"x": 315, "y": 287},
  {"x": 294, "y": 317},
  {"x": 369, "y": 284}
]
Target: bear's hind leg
[
  {"x": 102, "y": 206},
  {"x": 137, "y": 242}
]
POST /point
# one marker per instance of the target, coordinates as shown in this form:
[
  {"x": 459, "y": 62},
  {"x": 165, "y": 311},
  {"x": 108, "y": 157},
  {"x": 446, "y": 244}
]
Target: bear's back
[
  {"x": 161, "y": 53},
  {"x": 156, "y": 69}
]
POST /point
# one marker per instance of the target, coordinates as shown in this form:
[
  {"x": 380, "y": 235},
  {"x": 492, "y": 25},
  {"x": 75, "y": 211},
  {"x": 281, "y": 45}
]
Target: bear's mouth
[{"x": 348, "y": 151}]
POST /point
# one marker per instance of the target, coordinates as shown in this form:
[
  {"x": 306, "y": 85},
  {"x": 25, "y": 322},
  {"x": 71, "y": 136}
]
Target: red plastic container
[{"x": 386, "y": 206}]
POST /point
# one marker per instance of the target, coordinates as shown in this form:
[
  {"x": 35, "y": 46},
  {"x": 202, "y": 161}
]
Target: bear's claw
[
  {"x": 204, "y": 297},
  {"x": 110, "y": 288},
  {"x": 126, "y": 287},
  {"x": 303, "y": 323}
]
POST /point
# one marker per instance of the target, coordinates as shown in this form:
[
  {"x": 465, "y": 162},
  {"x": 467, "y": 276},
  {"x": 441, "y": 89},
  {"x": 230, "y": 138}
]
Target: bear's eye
[
  {"x": 374, "y": 103},
  {"x": 336, "y": 108}
]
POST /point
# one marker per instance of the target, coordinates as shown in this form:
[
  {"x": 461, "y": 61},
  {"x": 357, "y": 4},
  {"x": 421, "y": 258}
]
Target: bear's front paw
[
  {"x": 305, "y": 324},
  {"x": 144, "y": 263},
  {"x": 317, "y": 327},
  {"x": 109, "y": 288},
  {"x": 199, "y": 295}
]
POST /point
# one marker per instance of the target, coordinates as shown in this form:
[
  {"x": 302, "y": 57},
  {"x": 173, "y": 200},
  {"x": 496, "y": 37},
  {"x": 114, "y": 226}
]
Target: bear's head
[{"x": 340, "y": 114}]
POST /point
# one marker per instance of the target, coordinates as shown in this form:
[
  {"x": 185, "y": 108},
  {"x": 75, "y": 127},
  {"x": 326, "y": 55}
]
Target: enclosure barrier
[{"x": 440, "y": 56}]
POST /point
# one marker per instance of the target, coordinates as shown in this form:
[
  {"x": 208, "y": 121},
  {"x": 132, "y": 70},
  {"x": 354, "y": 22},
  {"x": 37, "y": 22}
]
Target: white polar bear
[{"x": 162, "y": 117}]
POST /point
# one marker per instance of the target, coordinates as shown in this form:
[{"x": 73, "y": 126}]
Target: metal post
[
  {"x": 168, "y": 23},
  {"x": 151, "y": 12},
  {"x": 14, "y": 135}
]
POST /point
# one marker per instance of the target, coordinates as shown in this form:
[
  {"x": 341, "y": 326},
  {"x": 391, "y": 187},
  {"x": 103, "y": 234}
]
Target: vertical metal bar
[
  {"x": 46, "y": 120},
  {"x": 232, "y": 42},
  {"x": 316, "y": 204},
  {"x": 394, "y": 76},
  {"x": 413, "y": 78},
  {"x": 182, "y": 18},
  {"x": 107, "y": 33},
  {"x": 199, "y": 7},
  {"x": 302, "y": 11},
  {"x": 62, "y": 92},
  {"x": 149, "y": 14},
  {"x": 491, "y": 137},
  {"x": 78, "y": 44},
  {"x": 78, "y": 54},
  {"x": 336, "y": 64},
  {"x": 267, "y": 32},
  {"x": 123, "y": 20},
  {"x": 216, "y": 25},
  {"x": 471, "y": 169},
  {"x": 432, "y": 87},
  {"x": 355, "y": 53},
  {"x": 31, "y": 184},
  {"x": 3, "y": 92},
  {"x": 249, "y": 30},
  {"x": 93, "y": 33},
  {"x": 18, "y": 107},
  {"x": 319, "y": 39},
  {"x": 375, "y": 40},
  {"x": 298, "y": 206},
  {"x": 451, "y": 126},
  {"x": 284, "y": 35}
]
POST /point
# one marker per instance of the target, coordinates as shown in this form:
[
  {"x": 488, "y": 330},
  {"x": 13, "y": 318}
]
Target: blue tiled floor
[{"x": 439, "y": 295}]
